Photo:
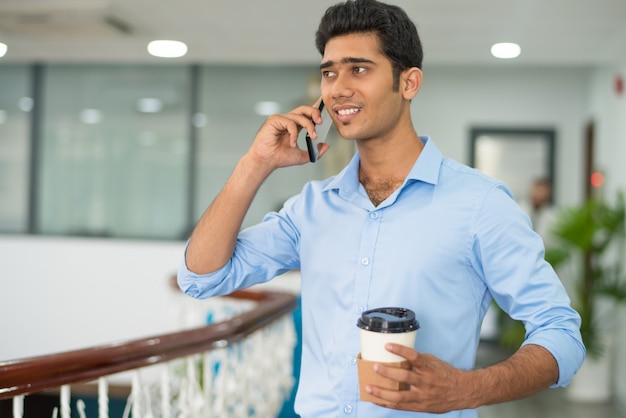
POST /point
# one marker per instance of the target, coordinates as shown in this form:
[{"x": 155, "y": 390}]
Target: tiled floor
[
  {"x": 551, "y": 403},
  {"x": 548, "y": 404}
]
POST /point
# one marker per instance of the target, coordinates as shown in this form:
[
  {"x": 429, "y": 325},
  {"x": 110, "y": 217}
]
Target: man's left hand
[{"x": 434, "y": 385}]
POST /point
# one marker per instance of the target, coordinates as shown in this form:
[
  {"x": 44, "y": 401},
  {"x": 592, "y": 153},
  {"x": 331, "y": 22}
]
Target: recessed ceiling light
[
  {"x": 167, "y": 49},
  {"x": 149, "y": 105},
  {"x": 266, "y": 108},
  {"x": 199, "y": 120},
  {"x": 506, "y": 50},
  {"x": 3, "y": 49},
  {"x": 90, "y": 116},
  {"x": 26, "y": 104}
]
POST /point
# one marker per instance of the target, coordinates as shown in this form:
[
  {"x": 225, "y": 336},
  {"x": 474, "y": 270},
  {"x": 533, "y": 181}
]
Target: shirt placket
[{"x": 363, "y": 279}]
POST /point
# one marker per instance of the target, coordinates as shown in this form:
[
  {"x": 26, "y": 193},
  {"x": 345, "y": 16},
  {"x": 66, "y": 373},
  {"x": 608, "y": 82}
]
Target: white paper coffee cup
[{"x": 386, "y": 325}]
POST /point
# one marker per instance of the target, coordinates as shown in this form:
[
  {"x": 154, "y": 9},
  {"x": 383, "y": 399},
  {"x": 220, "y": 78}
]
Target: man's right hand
[
  {"x": 213, "y": 240},
  {"x": 276, "y": 142}
]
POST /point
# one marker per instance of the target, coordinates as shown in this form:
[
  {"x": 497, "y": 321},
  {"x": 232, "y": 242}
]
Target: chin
[{"x": 349, "y": 134}]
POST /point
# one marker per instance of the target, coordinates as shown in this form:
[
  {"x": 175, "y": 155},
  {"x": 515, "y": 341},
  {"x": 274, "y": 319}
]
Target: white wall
[
  {"x": 608, "y": 108},
  {"x": 59, "y": 294},
  {"x": 453, "y": 100},
  {"x": 609, "y": 111}
]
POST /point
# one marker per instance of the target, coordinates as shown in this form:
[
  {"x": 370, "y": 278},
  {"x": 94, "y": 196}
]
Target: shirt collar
[
  {"x": 425, "y": 169},
  {"x": 428, "y": 164}
]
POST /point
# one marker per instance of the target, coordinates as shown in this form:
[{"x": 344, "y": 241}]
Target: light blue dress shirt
[{"x": 444, "y": 244}]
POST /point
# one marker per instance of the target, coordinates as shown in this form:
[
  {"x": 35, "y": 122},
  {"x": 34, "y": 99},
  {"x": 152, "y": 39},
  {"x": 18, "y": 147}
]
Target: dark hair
[{"x": 396, "y": 32}]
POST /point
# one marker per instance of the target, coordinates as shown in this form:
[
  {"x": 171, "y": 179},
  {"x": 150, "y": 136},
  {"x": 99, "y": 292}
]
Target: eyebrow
[{"x": 347, "y": 60}]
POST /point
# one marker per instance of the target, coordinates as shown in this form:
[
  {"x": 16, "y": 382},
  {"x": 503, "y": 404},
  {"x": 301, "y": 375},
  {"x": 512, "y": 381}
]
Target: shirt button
[
  {"x": 374, "y": 215},
  {"x": 347, "y": 409},
  {"x": 359, "y": 309},
  {"x": 365, "y": 261},
  {"x": 352, "y": 360}
]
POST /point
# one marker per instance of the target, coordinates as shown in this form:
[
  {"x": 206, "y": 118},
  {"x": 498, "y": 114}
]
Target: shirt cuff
[
  {"x": 568, "y": 351},
  {"x": 200, "y": 286}
]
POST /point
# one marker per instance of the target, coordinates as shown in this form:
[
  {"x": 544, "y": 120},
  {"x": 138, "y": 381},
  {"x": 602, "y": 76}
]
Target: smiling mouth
[{"x": 347, "y": 112}]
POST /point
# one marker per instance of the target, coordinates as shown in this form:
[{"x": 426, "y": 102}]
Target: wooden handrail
[{"x": 36, "y": 374}]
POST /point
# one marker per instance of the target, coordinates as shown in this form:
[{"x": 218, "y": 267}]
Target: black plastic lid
[{"x": 388, "y": 320}]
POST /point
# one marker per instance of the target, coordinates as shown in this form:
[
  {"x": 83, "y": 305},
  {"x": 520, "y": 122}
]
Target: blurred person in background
[{"x": 540, "y": 208}]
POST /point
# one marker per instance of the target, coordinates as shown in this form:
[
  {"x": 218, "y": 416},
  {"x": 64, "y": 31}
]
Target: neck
[
  {"x": 389, "y": 159},
  {"x": 383, "y": 168}
]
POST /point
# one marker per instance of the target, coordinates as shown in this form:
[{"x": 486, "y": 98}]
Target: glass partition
[
  {"x": 140, "y": 151},
  {"x": 16, "y": 104},
  {"x": 114, "y": 151}
]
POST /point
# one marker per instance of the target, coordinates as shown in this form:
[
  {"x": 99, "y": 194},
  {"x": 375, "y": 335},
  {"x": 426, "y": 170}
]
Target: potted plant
[{"x": 587, "y": 251}]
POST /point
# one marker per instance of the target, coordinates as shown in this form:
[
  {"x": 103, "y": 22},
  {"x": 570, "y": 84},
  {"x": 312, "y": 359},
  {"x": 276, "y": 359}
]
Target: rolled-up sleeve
[
  {"x": 567, "y": 348},
  {"x": 202, "y": 286},
  {"x": 261, "y": 253}
]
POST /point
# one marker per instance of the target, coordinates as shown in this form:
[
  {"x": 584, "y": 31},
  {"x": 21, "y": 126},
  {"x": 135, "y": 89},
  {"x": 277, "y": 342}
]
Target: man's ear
[{"x": 412, "y": 81}]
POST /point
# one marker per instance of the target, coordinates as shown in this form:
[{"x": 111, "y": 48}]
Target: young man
[{"x": 399, "y": 226}]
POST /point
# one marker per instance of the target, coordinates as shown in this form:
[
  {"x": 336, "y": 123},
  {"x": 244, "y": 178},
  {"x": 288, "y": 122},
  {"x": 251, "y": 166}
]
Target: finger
[
  {"x": 396, "y": 373},
  {"x": 317, "y": 115},
  {"x": 396, "y": 399},
  {"x": 310, "y": 113},
  {"x": 291, "y": 123},
  {"x": 322, "y": 148},
  {"x": 293, "y": 131},
  {"x": 309, "y": 121},
  {"x": 408, "y": 353}
]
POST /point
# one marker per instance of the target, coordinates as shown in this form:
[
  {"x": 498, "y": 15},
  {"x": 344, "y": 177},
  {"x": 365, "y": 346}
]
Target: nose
[{"x": 342, "y": 86}]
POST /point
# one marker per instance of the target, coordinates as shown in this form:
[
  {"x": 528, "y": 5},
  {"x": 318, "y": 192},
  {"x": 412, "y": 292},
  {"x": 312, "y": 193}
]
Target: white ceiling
[{"x": 551, "y": 32}]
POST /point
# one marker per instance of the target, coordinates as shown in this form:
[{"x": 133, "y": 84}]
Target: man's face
[
  {"x": 357, "y": 87},
  {"x": 540, "y": 194}
]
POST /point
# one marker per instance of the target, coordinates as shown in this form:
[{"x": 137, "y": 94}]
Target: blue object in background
[{"x": 287, "y": 410}]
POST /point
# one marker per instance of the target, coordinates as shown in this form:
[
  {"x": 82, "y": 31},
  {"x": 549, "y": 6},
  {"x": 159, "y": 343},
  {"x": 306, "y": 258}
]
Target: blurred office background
[{"x": 109, "y": 155}]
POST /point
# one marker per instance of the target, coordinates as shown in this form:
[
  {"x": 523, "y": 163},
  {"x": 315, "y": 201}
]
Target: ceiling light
[
  {"x": 90, "y": 116},
  {"x": 505, "y": 50},
  {"x": 167, "y": 49},
  {"x": 26, "y": 104},
  {"x": 3, "y": 49},
  {"x": 199, "y": 120},
  {"x": 266, "y": 108},
  {"x": 149, "y": 105}
]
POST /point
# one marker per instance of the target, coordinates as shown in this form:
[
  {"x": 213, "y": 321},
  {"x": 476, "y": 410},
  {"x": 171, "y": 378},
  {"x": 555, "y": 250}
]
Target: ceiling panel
[{"x": 455, "y": 32}]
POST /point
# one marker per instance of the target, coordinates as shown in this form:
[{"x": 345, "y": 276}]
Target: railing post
[
  {"x": 18, "y": 406},
  {"x": 103, "y": 398}
]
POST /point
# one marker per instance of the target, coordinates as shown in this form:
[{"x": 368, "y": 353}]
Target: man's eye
[
  {"x": 358, "y": 70},
  {"x": 327, "y": 74}
]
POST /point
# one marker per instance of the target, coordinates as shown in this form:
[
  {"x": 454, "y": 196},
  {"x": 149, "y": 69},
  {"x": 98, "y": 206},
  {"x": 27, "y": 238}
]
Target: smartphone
[{"x": 322, "y": 133}]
